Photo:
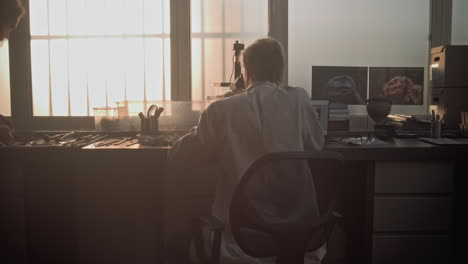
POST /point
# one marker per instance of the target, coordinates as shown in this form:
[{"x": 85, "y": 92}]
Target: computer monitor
[
  {"x": 402, "y": 85},
  {"x": 339, "y": 84},
  {"x": 321, "y": 107}
]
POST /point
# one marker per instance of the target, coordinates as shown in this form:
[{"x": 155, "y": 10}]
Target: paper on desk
[{"x": 358, "y": 141}]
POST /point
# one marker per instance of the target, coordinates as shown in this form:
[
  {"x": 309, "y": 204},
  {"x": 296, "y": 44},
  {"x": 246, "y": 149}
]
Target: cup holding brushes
[
  {"x": 149, "y": 135},
  {"x": 436, "y": 124},
  {"x": 149, "y": 123}
]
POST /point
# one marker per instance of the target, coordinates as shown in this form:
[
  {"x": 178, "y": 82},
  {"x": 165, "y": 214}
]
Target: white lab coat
[{"x": 238, "y": 130}]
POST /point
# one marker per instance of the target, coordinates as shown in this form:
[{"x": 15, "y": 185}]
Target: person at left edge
[{"x": 11, "y": 12}]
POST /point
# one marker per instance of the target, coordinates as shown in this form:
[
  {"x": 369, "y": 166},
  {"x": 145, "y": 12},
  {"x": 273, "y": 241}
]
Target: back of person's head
[
  {"x": 264, "y": 61},
  {"x": 11, "y": 11}
]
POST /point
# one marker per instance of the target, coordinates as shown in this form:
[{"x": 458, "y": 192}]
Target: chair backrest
[{"x": 260, "y": 238}]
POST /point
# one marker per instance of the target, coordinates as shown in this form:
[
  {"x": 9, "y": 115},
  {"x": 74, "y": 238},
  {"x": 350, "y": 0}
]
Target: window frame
[{"x": 180, "y": 36}]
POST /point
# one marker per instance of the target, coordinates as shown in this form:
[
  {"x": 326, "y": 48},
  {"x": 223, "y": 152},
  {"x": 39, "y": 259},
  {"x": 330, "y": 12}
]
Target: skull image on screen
[{"x": 342, "y": 90}]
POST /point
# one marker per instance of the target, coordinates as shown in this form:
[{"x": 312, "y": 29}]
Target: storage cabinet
[{"x": 412, "y": 208}]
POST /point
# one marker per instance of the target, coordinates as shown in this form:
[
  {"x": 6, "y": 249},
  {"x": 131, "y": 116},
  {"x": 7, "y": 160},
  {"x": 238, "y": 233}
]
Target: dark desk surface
[
  {"x": 400, "y": 149},
  {"x": 396, "y": 149}
]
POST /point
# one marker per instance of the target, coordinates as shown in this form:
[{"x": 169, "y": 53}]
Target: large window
[
  {"x": 93, "y": 53},
  {"x": 216, "y": 25},
  {"x": 5, "y": 108},
  {"x": 69, "y": 57},
  {"x": 391, "y": 36},
  {"x": 460, "y": 22}
]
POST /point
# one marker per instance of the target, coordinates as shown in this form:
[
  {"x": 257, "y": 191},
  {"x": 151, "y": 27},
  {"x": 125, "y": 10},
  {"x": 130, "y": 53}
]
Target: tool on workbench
[{"x": 123, "y": 141}]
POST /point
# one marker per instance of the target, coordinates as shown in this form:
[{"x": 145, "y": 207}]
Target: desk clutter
[
  {"x": 406, "y": 125},
  {"x": 148, "y": 117},
  {"x": 369, "y": 140},
  {"x": 464, "y": 124},
  {"x": 95, "y": 140}
]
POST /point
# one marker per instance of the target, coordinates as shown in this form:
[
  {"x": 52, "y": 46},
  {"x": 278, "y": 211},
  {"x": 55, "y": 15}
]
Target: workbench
[{"x": 111, "y": 205}]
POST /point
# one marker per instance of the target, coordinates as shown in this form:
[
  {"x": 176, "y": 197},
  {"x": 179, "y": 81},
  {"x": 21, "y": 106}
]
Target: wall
[
  {"x": 357, "y": 33},
  {"x": 4, "y": 80},
  {"x": 460, "y": 22}
]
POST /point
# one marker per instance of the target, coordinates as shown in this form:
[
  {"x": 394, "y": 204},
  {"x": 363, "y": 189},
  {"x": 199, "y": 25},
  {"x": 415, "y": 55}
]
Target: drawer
[
  {"x": 413, "y": 177},
  {"x": 404, "y": 249},
  {"x": 412, "y": 214}
]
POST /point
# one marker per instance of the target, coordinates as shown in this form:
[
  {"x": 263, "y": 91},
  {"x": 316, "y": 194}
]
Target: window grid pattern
[
  {"x": 5, "y": 104},
  {"x": 216, "y": 25},
  {"x": 87, "y": 54}
]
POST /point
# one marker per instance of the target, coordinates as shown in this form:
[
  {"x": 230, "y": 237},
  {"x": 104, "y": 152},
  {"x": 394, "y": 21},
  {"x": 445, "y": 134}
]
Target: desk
[
  {"x": 108, "y": 205},
  {"x": 409, "y": 207}
]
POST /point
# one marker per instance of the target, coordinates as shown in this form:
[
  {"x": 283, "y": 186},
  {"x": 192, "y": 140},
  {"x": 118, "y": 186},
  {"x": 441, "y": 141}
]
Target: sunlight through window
[
  {"x": 5, "y": 105},
  {"x": 93, "y": 53},
  {"x": 216, "y": 25}
]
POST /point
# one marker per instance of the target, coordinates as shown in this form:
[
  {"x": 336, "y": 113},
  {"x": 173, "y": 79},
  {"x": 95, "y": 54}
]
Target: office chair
[{"x": 289, "y": 241}]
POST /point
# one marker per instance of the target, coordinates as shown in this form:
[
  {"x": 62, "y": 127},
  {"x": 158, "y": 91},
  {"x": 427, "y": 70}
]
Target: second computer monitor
[
  {"x": 339, "y": 84},
  {"x": 402, "y": 85}
]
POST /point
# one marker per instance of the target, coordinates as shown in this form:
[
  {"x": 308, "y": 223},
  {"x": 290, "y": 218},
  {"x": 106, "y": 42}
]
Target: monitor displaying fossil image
[
  {"x": 402, "y": 85},
  {"x": 340, "y": 85}
]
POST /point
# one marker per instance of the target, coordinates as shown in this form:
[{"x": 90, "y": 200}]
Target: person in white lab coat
[{"x": 235, "y": 131}]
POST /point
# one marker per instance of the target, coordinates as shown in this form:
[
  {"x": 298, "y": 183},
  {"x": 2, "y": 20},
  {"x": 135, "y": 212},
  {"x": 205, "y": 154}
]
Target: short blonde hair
[{"x": 264, "y": 61}]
